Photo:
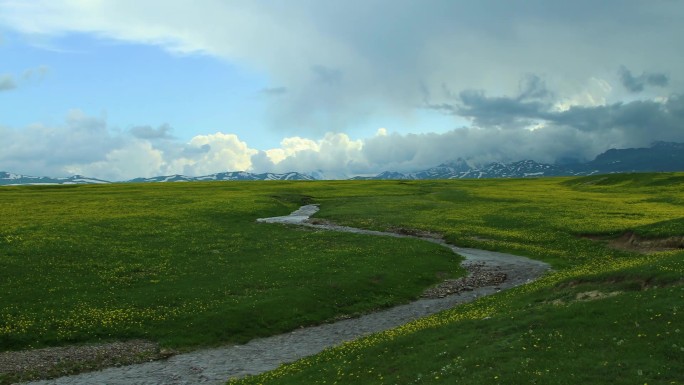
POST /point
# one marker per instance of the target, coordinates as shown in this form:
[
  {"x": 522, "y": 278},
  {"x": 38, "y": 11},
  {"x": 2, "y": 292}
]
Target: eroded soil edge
[{"x": 630, "y": 241}]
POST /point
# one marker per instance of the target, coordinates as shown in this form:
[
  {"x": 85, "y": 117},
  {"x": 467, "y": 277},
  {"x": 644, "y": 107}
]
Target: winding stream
[{"x": 215, "y": 366}]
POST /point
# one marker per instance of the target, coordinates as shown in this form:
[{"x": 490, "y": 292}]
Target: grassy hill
[
  {"x": 605, "y": 315},
  {"x": 186, "y": 265}
]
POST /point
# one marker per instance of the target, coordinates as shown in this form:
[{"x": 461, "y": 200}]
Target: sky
[{"x": 118, "y": 89}]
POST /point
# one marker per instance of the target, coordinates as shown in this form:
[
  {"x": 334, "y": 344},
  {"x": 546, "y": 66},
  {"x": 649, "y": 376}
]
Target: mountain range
[
  {"x": 7, "y": 178},
  {"x": 660, "y": 157}
]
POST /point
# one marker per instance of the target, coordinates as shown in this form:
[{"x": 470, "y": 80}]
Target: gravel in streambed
[{"x": 60, "y": 361}]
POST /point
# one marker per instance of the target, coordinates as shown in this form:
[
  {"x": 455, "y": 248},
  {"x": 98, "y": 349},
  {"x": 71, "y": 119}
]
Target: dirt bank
[{"x": 630, "y": 241}]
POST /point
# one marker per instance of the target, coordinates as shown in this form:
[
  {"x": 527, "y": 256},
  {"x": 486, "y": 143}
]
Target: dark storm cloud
[
  {"x": 638, "y": 83},
  {"x": 641, "y": 121},
  {"x": 578, "y": 133},
  {"x": 533, "y": 87},
  {"x": 478, "y": 146},
  {"x": 621, "y": 124},
  {"x": 385, "y": 54},
  {"x": 148, "y": 132},
  {"x": 531, "y": 102},
  {"x": 500, "y": 111}
]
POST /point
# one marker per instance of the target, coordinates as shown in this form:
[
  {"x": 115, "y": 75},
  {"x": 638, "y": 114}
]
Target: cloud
[
  {"x": 349, "y": 62},
  {"x": 35, "y": 73},
  {"x": 10, "y": 81},
  {"x": 86, "y": 145},
  {"x": 274, "y": 91},
  {"x": 578, "y": 132},
  {"x": 629, "y": 124},
  {"x": 335, "y": 153},
  {"x": 638, "y": 122},
  {"x": 503, "y": 112},
  {"x": 535, "y": 80},
  {"x": 325, "y": 75},
  {"x": 479, "y": 146},
  {"x": 638, "y": 83},
  {"x": 41, "y": 149},
  {"x": 533, "y": 87},
  {"x": 134, "y": 159},
  {"x": 217, "y": 153},
  {"x": 148, "y": 132},
  {"x": 7, "y": 83}
]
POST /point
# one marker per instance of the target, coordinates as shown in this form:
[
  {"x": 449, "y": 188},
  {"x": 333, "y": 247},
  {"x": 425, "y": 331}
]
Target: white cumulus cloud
[
  {"x": 334, "y": 153},
  {"x": 216, "y": 153},
  {"x": 136, "y": 158}
]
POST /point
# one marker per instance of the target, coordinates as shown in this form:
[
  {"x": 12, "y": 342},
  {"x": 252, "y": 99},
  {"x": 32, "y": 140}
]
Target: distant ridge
[
  {"x": 8, "y": 178},
  {"x": 520, "y": 169},
  {"x": 232, "y": 175},
  {"x": 660, "y": 157}
]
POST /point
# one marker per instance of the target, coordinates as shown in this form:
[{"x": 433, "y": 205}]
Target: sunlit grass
[
  {"x": 187, "y": 265},
  {"x": 631, "y": 330},
  {"x": 539, "y": 333}
]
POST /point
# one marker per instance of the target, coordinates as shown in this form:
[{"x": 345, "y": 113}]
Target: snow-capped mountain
[
  {"x": 328, "y": 175},
  {"x": 232, "y": 175},
  {"x": 8, "y": 178},
  {"x": 661, "y": 156},
  {"x": 444, "y": 171},
  {"x": 520, "y": 169}
]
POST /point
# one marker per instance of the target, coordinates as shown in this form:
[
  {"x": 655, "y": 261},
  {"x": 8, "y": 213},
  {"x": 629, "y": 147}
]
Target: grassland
[
  {"x": 604, "y": 316},
  {"x": 185, "y": 265}
]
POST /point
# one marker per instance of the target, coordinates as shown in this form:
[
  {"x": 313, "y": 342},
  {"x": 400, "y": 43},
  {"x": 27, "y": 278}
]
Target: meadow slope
[
  {"x": 605, "y": 315},
  {"x": 185, "y": 265}
]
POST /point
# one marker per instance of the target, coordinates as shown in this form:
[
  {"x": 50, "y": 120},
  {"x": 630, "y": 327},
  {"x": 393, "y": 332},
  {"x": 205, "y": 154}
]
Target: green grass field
[
  {"x": 186, "y": 265},
  {"x": 604, "y": 316}
]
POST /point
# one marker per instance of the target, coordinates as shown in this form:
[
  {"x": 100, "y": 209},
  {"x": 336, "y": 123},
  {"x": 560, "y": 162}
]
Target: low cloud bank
[{"x": 504, "y": 129}]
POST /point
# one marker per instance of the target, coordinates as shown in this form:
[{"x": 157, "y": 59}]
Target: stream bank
[{"x": 488, "y": 273}]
